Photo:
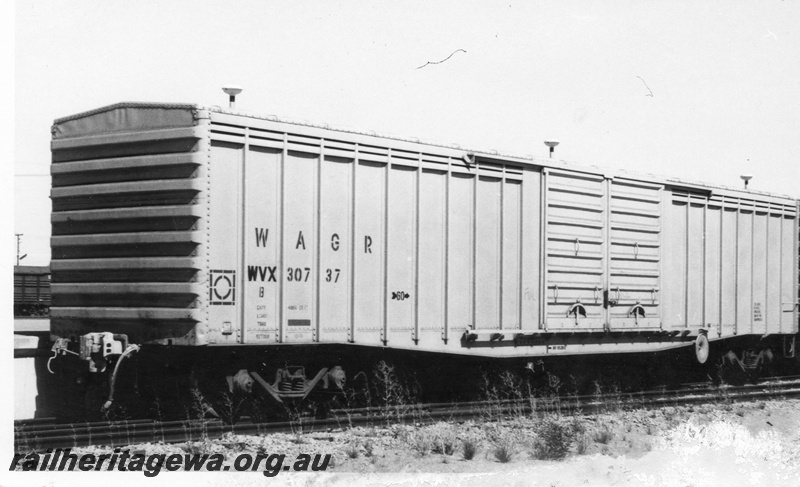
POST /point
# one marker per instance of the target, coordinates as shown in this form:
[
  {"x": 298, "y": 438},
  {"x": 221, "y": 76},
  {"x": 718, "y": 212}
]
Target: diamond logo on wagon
[{"x": 222, "y": 287}]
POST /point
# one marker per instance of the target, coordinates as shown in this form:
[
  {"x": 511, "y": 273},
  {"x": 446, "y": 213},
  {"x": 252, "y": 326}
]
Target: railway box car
[
  {"x": 198, "y": 226},
  {"x": 205, "y": 227},
  {"x": 31, "y": 290}
]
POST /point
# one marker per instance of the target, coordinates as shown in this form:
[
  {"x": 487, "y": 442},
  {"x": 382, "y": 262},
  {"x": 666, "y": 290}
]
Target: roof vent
[
  {"x": 232, "y": 91},
  {"x": 552, "y": 145}
]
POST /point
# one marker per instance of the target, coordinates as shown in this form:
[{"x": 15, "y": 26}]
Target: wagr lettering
[
  {"x": 367, "y": 244},
  {"x": 262, "y": 237},
  {"x": 259, "y": 273},
  {"x": 262, "y": 234}
]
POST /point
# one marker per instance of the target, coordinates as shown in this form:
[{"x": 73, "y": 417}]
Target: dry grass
[
  {"x": 504, "y": 450},
  {"x": 603, "y": 435},
  {"x": 352, "y": 451},
  {"x": 470, "y": 448}
]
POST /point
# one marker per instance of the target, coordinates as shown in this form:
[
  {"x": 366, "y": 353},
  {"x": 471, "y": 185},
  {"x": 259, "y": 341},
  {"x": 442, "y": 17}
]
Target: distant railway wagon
[
  {"x": 183, "y": 227},
  {"x": 31, "y": 290}
]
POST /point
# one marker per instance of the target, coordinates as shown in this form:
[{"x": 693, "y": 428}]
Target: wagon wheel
[
  {"x": 209, "y": 396},
  {"x": 702, "y": 348},
  {"x": 729, "y": 370}
]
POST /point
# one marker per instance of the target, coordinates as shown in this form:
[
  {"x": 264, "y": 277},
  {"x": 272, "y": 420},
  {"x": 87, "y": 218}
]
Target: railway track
[{"x": 41, "y": 434}]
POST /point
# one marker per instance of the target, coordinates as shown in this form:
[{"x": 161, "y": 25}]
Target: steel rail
[{"x": 41, "y": 434}]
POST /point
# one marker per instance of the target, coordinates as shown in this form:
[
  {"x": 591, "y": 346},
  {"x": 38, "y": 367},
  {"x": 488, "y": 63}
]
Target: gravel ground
[{"x": 713, "y": 444}]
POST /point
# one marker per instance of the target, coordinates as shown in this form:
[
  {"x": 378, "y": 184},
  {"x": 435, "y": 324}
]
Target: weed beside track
[{"x": 549, "y": 439}]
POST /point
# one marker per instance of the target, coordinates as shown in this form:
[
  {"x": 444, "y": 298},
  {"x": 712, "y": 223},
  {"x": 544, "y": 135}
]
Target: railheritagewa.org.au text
[{"x": 151, "y": 465}]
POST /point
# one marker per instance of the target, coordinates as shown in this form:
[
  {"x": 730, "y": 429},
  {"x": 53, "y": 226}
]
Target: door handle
[{"x": 608, "y": 301}]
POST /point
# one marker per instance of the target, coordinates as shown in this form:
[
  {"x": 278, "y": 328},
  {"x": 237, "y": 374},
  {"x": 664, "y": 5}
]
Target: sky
[{"x": 701, "y": 90}]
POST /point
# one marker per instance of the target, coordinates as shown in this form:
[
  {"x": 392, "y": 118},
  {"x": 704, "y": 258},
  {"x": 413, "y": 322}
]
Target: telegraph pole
[{"x": 19, "y": 257}]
